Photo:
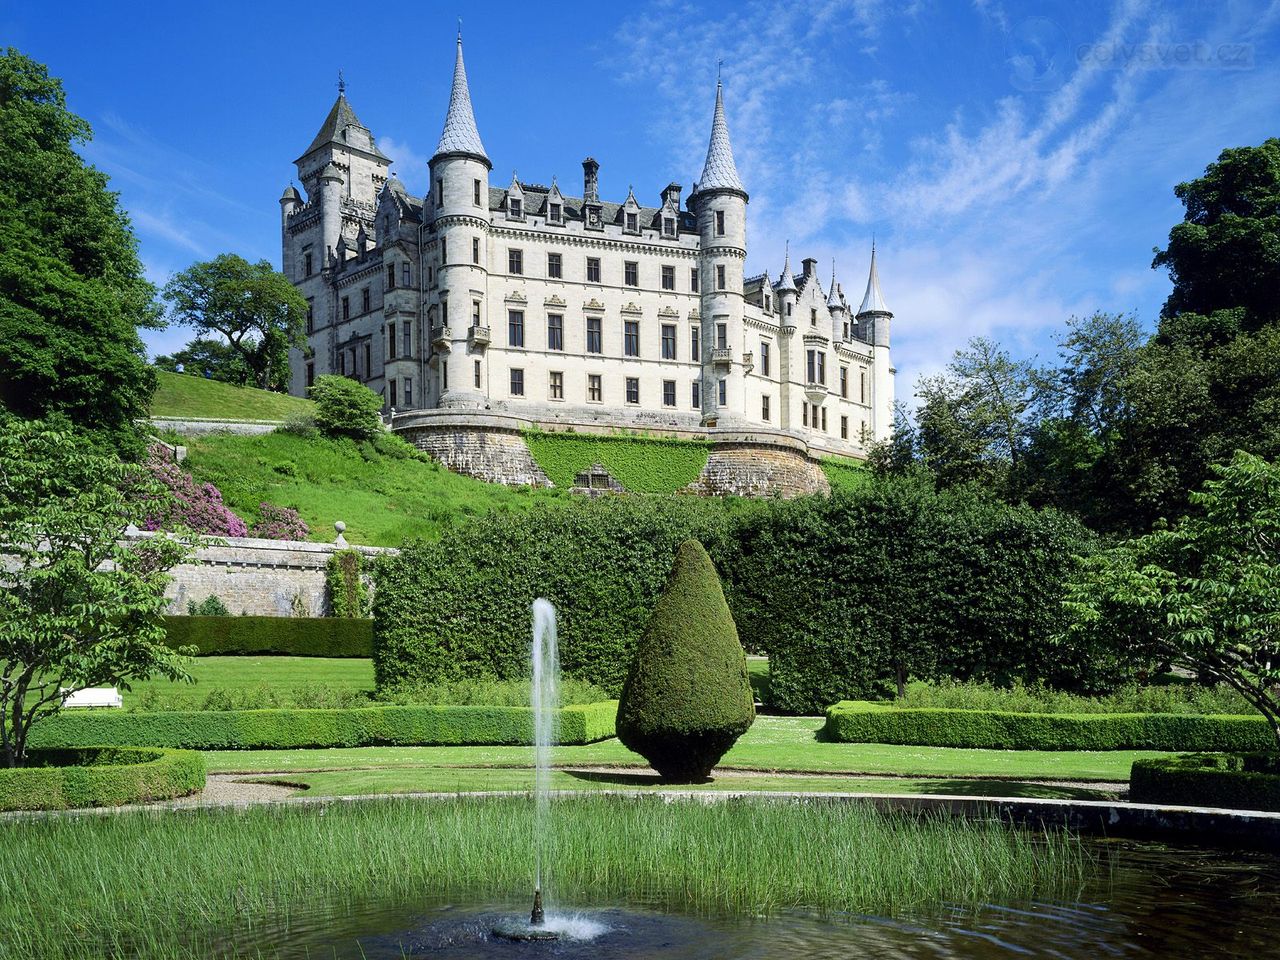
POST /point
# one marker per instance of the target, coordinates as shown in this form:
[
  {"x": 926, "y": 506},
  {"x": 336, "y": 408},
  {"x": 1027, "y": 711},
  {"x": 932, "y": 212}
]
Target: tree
[
  {"x": 345, "y": 408},
  {"x": 72, "y": 290},
  {"x": 687, "y": 699},
  {"x": 255, "y": 307},
  {"x": 81, "y": 605},
  {"x": 1206, "y": 591},
  {"x": 203, "y": 357}
]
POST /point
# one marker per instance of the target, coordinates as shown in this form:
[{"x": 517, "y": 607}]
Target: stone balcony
[
  {"x": 440, "y": 337},
  {"x": 815, "y": 392},
  {"x": 478, "y": 336},
  {"x": 722, "y": 356}
]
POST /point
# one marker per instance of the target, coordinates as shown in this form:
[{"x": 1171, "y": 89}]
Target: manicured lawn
[
  {"x": 251, "y": 673},
  {"x": 187, "y": 395},
  {"x": 772, "y": 744},
  {"x": 383, "y": 500}
]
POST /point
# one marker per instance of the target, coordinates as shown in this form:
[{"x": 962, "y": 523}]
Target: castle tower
[
  {"x": 720, "y": 203},
  {"x": 839, "y": 312},
  {"x": 785, "y": 292},
  {"x": 460, "y": 205},
  {"x": 874, "y": 315}
]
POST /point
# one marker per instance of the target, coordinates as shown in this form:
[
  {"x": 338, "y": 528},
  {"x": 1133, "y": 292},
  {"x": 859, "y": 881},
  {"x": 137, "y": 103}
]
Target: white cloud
[{"x": 409, "y": 165}]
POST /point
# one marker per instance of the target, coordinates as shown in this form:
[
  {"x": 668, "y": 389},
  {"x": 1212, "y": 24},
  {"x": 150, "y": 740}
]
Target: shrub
[
  {"x": 344, "y": 584},
  {"x": 687, "y": 697},
  {"x": 210, "y": 606},
  {"x": 301, "y": 424},
  {"x": 279, "y": 523},
  {"x": 1242, "y": 782},
  {"x": 420, "y": 726},
  {"x": 345, "y": 408},
  {"x": 59, "y": 779},
  {"x": 495, "y": 693},
  {"x": 459, "y": 608},
  {"x": 196, "y": 506},
  {"x": 861, "y": 722},
  {"x": 1021, "y": 698},
  {"x": 287, "y": 636}
]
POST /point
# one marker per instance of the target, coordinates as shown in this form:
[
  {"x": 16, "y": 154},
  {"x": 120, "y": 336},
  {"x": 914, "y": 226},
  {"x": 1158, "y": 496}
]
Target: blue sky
[{"x": 1015, "y": 161}]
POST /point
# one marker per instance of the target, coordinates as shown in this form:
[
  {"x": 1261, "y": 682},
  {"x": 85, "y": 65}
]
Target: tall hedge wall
[
  {"x": 1242, "y": 782},
  {"x": 460, "y": 607},
  {"x": 284, "y": 636},
  {"x": 100, "y": 777},
  {"x": 641, "y": 464}
]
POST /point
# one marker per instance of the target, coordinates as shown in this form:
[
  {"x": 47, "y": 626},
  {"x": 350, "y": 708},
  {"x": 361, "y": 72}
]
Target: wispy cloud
[{"x": 409, "y": 165}]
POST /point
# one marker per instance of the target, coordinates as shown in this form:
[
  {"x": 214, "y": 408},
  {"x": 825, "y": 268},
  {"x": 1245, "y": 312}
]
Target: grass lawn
[
  {"x": 249, "y": 673},
  {"x": 383, "y": 500},
  {"x": 186, "y": 395}
]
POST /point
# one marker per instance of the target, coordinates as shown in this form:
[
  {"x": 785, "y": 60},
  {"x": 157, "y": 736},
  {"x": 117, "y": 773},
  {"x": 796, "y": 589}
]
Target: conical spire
[
  {"x": 873, "y": 301},
  {"x": 833, "y": 298},
  {"x": 786, "y": 281},
  {"x": 460, "y": 135},
  {"x": 720, "y": 172},
  {"x": 342, "y": 126}
]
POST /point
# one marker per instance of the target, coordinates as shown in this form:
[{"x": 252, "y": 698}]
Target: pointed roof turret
[
  {"x": 343, "y": 127},
  {"x": 833, "y": 298},
  {"x": 873, "y": 301},
  {"x": 719, "y": 172},
  {"x": 786, "y": 282},
  {"x": 460, "y": 136}
]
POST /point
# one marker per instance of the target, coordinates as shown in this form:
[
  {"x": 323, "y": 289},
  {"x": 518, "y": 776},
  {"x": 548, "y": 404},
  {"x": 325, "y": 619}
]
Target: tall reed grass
[{"x": 173, "y": 884}]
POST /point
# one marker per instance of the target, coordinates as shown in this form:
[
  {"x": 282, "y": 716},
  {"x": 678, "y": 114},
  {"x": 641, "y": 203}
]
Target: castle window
[
  {"x": 669, "y": 230},
  {"x": 553, "y": 213},
  {"x": 557, "y": 385},
  {"x": 555, "y": 331},
  {"x": 631, "y": 338},
  {"x": 824, "y": 419},
  {"x": 633, "y": 389},
  {"x": 668, "y": 278},
  {"x": 594, "y": 336},
  {"x": 724, "y": 392},
  {"x": 633, "y": 223},
  {"x": 475, "y": 249},
  {"x": 444, "y": 251},
  {"x": 515, "y": 261},
  {"x": 311, "y": 315},
  {"x": 693, "y": 280},
  {"x": 593, "y": 269},
  {"x": 444, "y": 374},
  {"x": 308, "y": 267},
  {"x": 695, "y": 394},
  {"x": 408, "y": 392},
  {"x": 844, "y": 382},
  {"x": 816, "y": 366},
  {"x": 517, "y": 208},
  {"x": 695, "y": 345},
  {"x": 346, "y": 308},
  {"x": 764, "y": 408},
  {"x": 788, "y": 309},
  {"x": 517, "y": 382},
  {"x": 475, "y": 192},
  {"x": 722, "y": 336},
  {"x": 813, "y": 316},
  {"x": 804, "y": 413},
  {"x": 862, "y": 386},
  {"x": 845, "y": 334},
  {"x": 720, "y": 282},
  {"x": 311, "y": 375},
  {"x": 555, "y": 269},
  {"x": 439, "y": 192},
  {"x": 368, "y": 360},
  {"x": 407, "y": 332},
  {"x": 391, "y": 392},
  {"x": 668, "y": 393},
  {"x": 515, "y": 328},
  {"x": 391, "y": 341},
  {"x": 594, "y": 392},
  {"x": 475, "y": 313},
  {"x": 631, "y": 273},
  {"x": 767, "y": 307},
  {"x": 669, "y": 343},
  {"x": 364, "y": 300},
  {"x": 477, "y": 375},
  {"x": 391, "y": 276},
  {"x": 844, "y": 428},
  {"x": 719, "y": 223},
  {"x": 764, "y": 359}
]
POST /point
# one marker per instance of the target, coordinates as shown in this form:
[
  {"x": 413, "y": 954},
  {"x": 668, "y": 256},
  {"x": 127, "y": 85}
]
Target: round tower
[
  {"x": 719, "y": 202},
  {"x": 875, "y": 316},
  {"x": 331, "y": 181},
  {"x": 459, "y": 203},
  {"x": 839, "y": 312},
  {"x": 290, "y": 201}
]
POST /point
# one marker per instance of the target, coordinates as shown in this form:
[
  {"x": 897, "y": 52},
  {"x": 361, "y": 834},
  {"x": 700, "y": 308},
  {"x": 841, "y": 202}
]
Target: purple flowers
[
  {"x": 279, "y": 523},
  {"x": 197, "y": 506}
]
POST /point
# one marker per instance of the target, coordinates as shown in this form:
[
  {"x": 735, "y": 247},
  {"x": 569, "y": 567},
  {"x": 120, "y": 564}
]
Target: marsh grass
[{"x": 174, "y": 884}]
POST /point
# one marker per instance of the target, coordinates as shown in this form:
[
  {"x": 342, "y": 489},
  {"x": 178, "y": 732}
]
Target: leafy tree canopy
[
  {"x": 345, "y": 408},
  {"x": 203, "y": 357},
  {"x": 72, "y": 291},
  {"x": 252, "y": 305}
]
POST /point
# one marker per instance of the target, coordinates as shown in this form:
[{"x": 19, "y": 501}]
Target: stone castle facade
[{"x": 563, "y": 309}]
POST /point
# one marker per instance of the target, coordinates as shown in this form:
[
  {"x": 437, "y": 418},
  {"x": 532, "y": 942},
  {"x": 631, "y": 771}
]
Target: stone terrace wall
[
  {"x": 272, "y": 578},
  {"x": 487, "y": 447},
  {"x": 759, "y": 464}
]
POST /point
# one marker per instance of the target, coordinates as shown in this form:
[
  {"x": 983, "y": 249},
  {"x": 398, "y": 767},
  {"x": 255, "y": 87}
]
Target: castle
[{"x": 567, "y": 311}]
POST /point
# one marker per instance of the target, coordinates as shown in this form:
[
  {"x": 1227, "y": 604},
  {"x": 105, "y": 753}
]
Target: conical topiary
[{"x": 687, "y": 697}]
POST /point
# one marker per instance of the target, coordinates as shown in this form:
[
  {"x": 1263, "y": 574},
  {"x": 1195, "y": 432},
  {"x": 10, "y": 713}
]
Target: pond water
[{"x": 1148, "y": 901}]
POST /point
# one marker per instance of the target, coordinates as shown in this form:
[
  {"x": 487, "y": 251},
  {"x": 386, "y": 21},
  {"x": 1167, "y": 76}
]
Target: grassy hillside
[
  {"x": 641, "y": 464},
  {"x": 382, "y": 499},
  {"x": 184, "y": 395}
]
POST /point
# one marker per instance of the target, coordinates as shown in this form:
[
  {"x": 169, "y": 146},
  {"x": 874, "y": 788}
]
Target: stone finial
[{"x": 339, "y": 526}]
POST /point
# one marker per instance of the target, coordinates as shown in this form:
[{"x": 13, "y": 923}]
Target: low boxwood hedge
[
  {"x": 1249, "y": 781},
  {"x": 421, "y": 726},
  {"x": 284, "y": 636},
  {"x": 857, "y": 721},
  {"x": 100, "y": 777}
]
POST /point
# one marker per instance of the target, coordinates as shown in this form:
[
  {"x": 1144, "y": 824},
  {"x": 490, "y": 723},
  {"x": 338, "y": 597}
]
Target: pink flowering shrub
[
  {"x": 279, "y": 523},
  {"x": 197, "y": 506}
]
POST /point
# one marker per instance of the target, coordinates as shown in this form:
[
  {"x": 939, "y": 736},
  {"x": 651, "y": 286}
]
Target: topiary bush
[
  {"x": 345, "y": 408},
  {"x": 687, "y": 697}
]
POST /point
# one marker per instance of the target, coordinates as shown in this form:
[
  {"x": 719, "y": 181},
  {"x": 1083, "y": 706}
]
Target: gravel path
[{"x": 222, "y": 789}]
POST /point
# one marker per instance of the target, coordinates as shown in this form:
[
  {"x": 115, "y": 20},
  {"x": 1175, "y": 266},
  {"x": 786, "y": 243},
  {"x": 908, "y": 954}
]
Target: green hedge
[
  {"x": 852, "y": 721},
  {"x": 283, "y": 636},
  {"x": 100, "y": 777},
  {"x": 1242, "y": 782},
  {"x": 420, "y": 726},
  {"x": 641, "y": 464}
]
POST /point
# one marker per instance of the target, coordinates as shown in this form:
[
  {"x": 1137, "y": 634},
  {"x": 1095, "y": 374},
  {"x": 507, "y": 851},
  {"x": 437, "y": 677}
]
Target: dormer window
[
  {"x": 516, "y": 208},
  {"x": 767, "y": 304},
  {"x": 633, "y": 223},
  {"x": 554, "y": 213},
  {"x": 668, "y": 226}
]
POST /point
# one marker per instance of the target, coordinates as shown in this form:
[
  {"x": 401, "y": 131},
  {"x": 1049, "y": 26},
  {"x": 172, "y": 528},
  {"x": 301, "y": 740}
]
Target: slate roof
[
  {"x": 460, "y": 134},
  {"x": 873, "y": 301},
  {"x": 535, "y": 203},
  {"x": 336, "y": 129},
  {"x": 786, "y": 281},
  {"x": 719, "y": 172}
]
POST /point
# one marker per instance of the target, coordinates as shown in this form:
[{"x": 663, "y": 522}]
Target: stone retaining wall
[
  {"x": 486, "y": 447},
  {"x": 194, "y": 426},
  {"x": 759, "y": 465}
]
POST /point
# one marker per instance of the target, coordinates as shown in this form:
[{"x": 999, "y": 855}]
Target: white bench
[{"x": 93, "y": 697}]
